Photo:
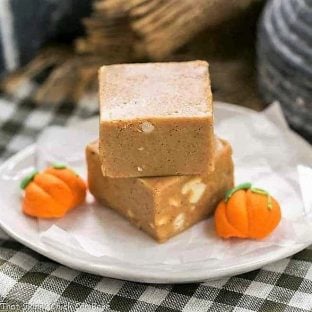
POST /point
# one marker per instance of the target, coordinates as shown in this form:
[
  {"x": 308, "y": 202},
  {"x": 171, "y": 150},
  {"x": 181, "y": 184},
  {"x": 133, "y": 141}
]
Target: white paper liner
[{"x": 263, "y": 154}]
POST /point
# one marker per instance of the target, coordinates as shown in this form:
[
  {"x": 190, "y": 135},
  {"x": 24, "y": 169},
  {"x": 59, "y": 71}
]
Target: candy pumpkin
[
  {"x": 53, "y": 192},
  {"x": 247, "y": 212}
]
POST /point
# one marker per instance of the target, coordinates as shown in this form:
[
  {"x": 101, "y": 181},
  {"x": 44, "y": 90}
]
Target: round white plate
[{"x": 25, "y": 230}]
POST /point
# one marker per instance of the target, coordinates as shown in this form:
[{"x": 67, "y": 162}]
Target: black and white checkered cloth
[{"x": 31, "y": 282}]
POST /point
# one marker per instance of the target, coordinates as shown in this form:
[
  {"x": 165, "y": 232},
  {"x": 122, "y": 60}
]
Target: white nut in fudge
[
  {"x": 179, "y": 221},
  {"x": 195, "y": 189},
  {"x": 147, "y": 127}
]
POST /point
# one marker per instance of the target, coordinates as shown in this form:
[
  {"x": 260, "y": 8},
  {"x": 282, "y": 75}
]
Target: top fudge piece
[{"x": 156, "y": 119}]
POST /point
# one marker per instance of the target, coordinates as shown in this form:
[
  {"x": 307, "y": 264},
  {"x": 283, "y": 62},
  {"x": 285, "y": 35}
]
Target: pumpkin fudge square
[
  {"x": 156, "y": 119},
  {"x": 163, "y": 206}
]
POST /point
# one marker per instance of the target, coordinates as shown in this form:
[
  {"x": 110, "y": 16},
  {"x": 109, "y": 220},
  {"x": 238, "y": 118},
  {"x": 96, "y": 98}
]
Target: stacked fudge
[{"x": 157, "y": 161}]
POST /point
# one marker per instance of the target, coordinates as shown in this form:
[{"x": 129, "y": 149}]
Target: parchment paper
[{"x": 263, "y": 154}]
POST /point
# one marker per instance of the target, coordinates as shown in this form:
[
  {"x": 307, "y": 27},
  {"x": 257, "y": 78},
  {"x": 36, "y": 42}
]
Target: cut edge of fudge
[
  {"x": 163, "y": 206},
  {"x": 165, "y": 148}
]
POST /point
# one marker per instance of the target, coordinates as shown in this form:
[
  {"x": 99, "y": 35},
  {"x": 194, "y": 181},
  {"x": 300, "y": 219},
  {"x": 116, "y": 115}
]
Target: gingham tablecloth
[{"x": 31, "y": 282}]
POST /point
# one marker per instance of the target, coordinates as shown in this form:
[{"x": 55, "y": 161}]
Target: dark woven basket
[
  {"x": 27, "y": 25},
  {"x": 285, "y": 60}
]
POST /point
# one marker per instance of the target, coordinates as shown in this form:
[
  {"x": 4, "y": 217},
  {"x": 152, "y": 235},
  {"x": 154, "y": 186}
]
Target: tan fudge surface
[
  {"x": 162, "y": 206},
  {"x": 156, "y": 119}
]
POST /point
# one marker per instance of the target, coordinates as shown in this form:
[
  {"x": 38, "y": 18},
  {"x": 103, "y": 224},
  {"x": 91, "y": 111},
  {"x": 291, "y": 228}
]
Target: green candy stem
[
  {"x": 248, "y": 186},
  {"x": 259, "y": 191},
  {"x": 28, "y": 179},
  {"x": 62, "y": 166},
  {"x": 243, "y": 186},
  {"x": 263, "y": 192},
  {"x": 59, "y": 166}
]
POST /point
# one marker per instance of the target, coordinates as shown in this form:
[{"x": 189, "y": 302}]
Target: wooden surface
[
  {"x": 65, "y": 75},
  {"x": 230, "y": 50}
]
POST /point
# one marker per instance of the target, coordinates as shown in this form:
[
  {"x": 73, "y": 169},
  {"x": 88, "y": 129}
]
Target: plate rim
[{"x": 161, "y": 277}]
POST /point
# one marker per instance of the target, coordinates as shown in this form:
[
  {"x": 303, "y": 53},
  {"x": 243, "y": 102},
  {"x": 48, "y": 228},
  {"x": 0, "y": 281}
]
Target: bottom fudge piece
[{"x": 163, "y": 206}]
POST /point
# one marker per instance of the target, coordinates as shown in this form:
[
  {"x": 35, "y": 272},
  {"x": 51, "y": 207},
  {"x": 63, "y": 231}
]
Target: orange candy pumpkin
[
  {"x": 53, "y": 192},
  {"x": 247, "y": 212}
]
